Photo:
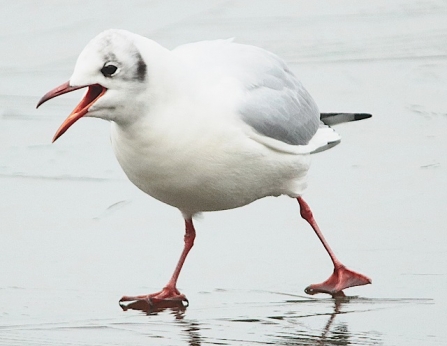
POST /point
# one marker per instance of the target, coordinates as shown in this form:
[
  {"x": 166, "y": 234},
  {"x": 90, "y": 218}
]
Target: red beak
[{"x": 95, "y": 91}]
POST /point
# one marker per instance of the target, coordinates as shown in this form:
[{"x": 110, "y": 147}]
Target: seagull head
[{"x": 114, "y": 72}]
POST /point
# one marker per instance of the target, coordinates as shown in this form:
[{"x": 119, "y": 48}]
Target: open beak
[{"x": 94, "y": 92}]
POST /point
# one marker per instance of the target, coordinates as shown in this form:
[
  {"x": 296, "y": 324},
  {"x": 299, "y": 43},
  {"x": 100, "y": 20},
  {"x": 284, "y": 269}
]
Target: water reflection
[
  {"x": 342, "y": 330},
  {"x": 177, "y": 309},
  {"x": 191, "y": 330},
  {"x": 291, "y": 326},
  {"x": 151, "y": 308},
  {"x": 339, "y": 335},
  {"x": 336, "y": 329}
]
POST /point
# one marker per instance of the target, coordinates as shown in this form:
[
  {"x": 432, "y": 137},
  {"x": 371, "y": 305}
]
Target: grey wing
[{"x": 277, "y": 105}]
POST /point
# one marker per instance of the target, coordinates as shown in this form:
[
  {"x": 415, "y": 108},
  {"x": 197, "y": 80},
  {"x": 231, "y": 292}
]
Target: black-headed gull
[{"x": 206, "y": 126}]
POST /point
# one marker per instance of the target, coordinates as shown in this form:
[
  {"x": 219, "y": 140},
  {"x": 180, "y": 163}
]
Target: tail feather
[
  {"x": 326, "y": 137},
  {"x": 338, "y": 118}
]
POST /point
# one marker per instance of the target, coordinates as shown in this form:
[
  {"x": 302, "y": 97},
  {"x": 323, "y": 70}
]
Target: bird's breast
[{"x": 203, "y": 171}]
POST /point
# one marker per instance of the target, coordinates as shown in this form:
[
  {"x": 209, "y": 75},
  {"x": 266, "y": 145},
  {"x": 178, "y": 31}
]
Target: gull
[{"x": 207, "y": 126}]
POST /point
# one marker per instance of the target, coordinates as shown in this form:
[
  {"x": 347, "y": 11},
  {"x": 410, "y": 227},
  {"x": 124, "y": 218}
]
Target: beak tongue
[{"x": 95, "y": 91}]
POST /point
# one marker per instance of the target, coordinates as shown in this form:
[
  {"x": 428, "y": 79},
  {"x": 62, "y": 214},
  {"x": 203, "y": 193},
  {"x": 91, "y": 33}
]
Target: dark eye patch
[
  {"x": 108, "y": 70},
  {"x": 141, "y": 68}
]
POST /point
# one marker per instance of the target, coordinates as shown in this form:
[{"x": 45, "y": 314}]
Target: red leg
[
  {"x": 342, "y": 277},
  {"x": 170, "y": 293}
]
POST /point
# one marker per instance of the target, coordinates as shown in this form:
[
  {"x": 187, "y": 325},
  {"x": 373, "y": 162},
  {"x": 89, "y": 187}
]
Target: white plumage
[{"x": 207, "y": 126}]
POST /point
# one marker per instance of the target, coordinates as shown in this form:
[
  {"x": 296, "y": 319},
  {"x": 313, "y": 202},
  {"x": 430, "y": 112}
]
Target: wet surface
[
  {"x": 221, "y": 317},
  {"x": 76, "y": 235}
]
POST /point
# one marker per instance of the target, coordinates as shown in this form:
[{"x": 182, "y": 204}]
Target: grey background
[{"x": 76, "y": 235}]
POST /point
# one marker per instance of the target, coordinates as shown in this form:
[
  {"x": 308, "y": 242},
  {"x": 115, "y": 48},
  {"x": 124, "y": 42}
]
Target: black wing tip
[
  {"x": 361, "y": 116},
  {"x": 338, "y": 118},
  {"x": 355, "y": 116}
]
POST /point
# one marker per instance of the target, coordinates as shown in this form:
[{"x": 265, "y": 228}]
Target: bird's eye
[{"x": 109, "y": 70}]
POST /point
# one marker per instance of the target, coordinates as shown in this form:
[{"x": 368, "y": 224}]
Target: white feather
[{"x": 189, "y": 133}]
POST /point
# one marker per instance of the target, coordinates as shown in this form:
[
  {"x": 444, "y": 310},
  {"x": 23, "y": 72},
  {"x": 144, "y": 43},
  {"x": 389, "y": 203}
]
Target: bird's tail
[
  {"x": 338, "y": 118},
  {"x": 326, "y": 137}
]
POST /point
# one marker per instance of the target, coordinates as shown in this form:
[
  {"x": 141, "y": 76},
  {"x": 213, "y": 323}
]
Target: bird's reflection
[
  {"x": 192, "y": 331},
  {"x": 175, "y": 308},
  {"x": 330, "y": 334},
  {"x": 341, "y": 336},
  {"x": 154, "y": 308}
]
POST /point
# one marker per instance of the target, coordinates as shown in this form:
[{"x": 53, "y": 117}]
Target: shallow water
[{"x": 76, "y": 235}]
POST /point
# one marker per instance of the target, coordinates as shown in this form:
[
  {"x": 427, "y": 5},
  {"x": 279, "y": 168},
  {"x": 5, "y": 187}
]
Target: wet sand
[{"x": 76, "y": 235}]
